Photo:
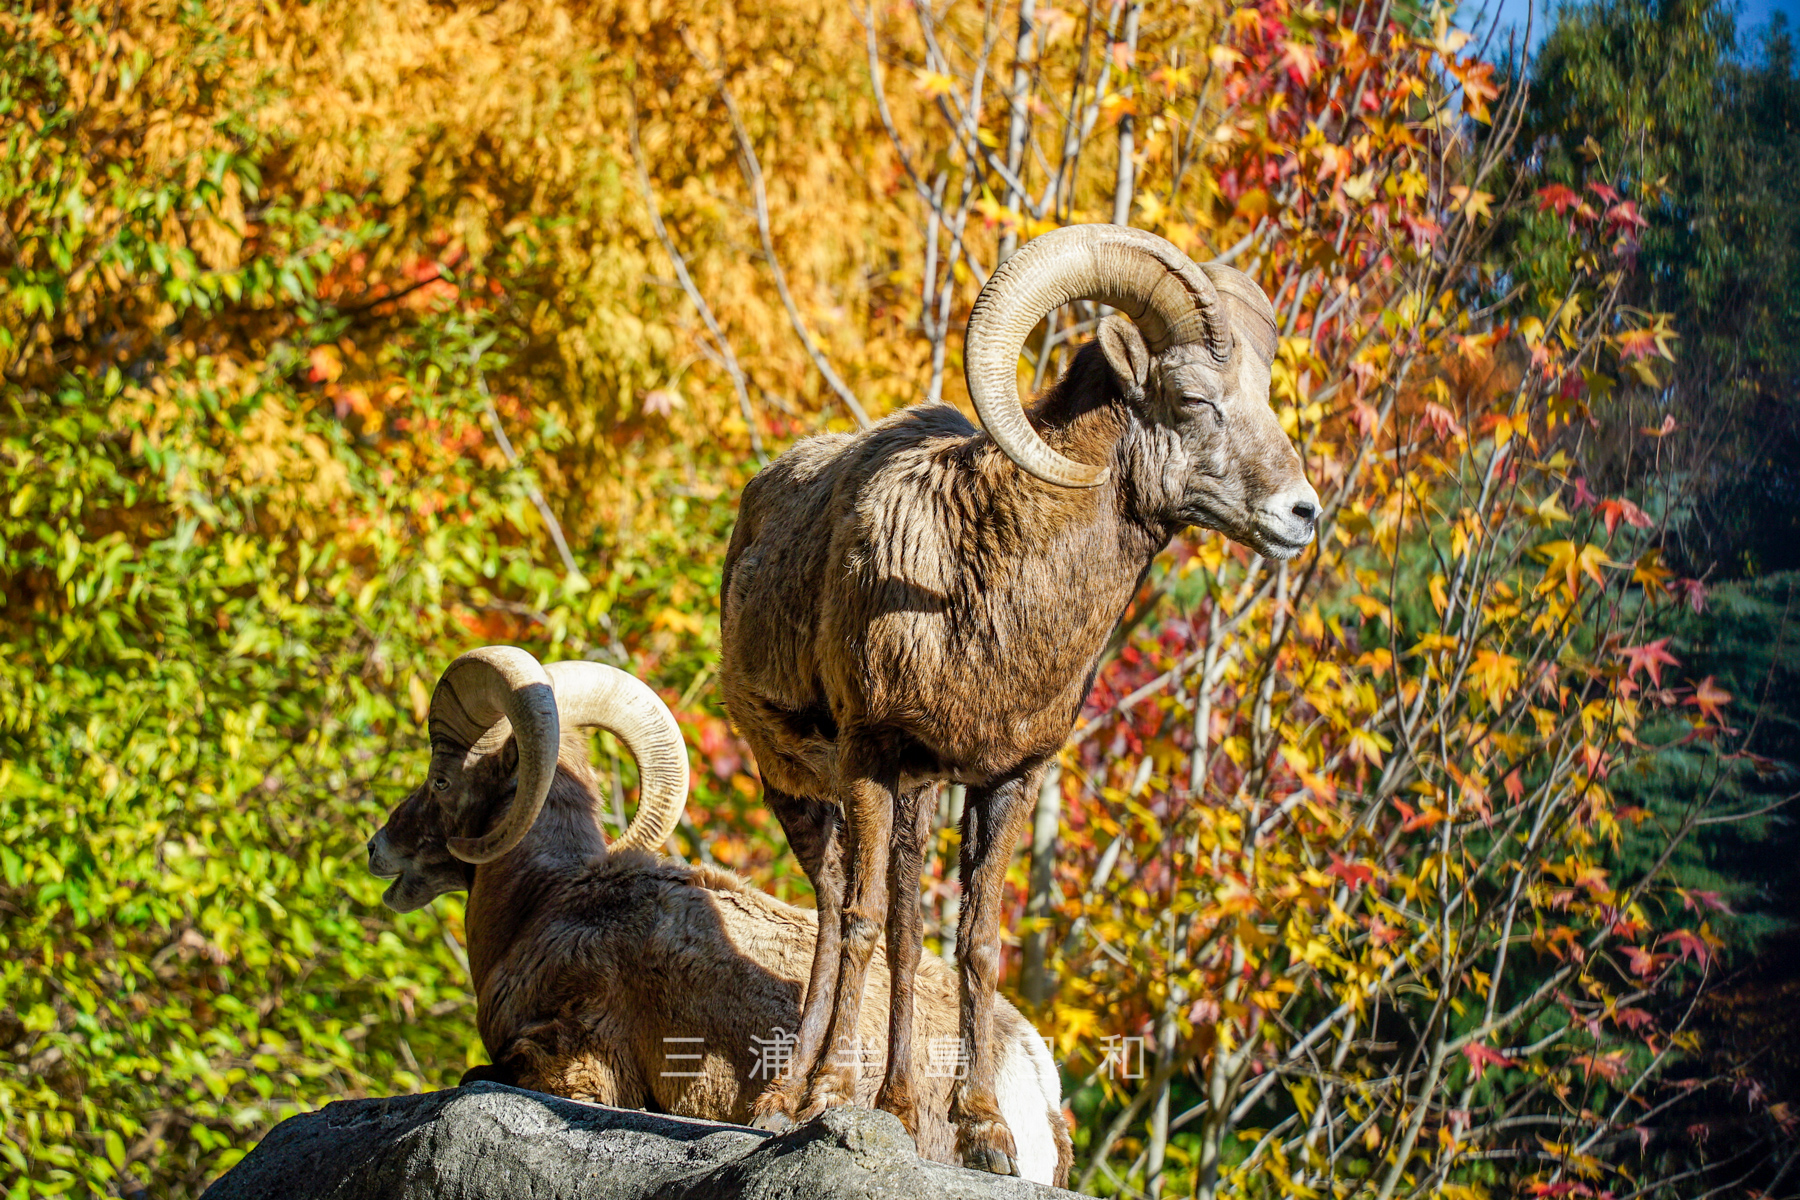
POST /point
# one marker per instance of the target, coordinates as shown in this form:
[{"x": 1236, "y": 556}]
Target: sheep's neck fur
[
  {"x": 506, "y": 895},
  {"x": 1085, "y": 418}
]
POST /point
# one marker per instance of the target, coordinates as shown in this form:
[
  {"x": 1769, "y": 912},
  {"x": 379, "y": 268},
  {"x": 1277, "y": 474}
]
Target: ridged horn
[
  {"x": 593, "y": 695},
  {"x": 473, "y": 695},
  {"x": 1172, "y": 301}
]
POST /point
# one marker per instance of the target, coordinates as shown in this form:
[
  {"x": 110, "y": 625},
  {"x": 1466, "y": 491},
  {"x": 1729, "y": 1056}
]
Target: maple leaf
[
  {"x": 1478, "y": 88},
  {"x": 1688, "y": 944},
  {"x": 1472, "y": 204},
  {"x": 1442, "y": 420},
  {"x": 1625, "y": 215},
  {"x": 1650, "y": 657},
  {"x": 1695, "y": 899},
  {"x": 1424, "y": 820},
  {"x": 1644, "y": 964},
  {"x": 935, "y": 83},
  {"x": 1612, "y": 511},
  {"x": 1570, "y": 562},
  {"x": 1610, "y": 1066},
  {"x": 1691, "y": 590},
  {"x": 1557, "y": 198},
  {"x": 1354, "y": 875},
  {"x": 1648, "y": 570},
  {"x": 1605, "y": 192},
  {"x": 1710, "y": 699},
  {"x": 1173, "y": 79},
  {"x": 1636, "y": 343},
  {"x": 1497, "y": 674},
  {"x": 1301, "y": 59},
  {"x": 1482, "y": 1057},
  {"x": 1583, "y": 497}
]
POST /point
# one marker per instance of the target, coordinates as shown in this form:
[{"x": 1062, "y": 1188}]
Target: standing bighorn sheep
[
  {"x": 924, "y": 602},
  {"x": 603, "y": 973}
]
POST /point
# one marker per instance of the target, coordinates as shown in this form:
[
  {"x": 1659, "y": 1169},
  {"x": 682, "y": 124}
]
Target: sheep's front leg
[
  {"x": 868, "y": 784},
  {"x": 993, "y": 820},
  {"x": 815, "y": 833},
  {"x": 905, "y": 937}
]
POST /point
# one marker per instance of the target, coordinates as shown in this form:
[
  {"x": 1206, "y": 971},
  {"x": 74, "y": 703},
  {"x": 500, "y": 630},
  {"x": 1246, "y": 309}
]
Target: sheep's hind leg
[
  {"x": 905, "y": 936},
  {"x": 815, "y": 833},
  {"x": 868, "y": 791},
  {"x": 993, "y": 819}
]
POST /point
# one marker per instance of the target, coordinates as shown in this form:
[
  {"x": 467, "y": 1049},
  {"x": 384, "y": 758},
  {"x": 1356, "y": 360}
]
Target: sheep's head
[
  {"x": 488, "y": 782},
  {"x": 412, "y": 850},
  {"x": 1194, "y": 359}
]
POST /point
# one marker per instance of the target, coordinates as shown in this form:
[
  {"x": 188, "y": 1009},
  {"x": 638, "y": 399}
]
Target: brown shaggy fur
[
  {"x": 906, "y": 606},
  {"x": 584, "y": 960}
]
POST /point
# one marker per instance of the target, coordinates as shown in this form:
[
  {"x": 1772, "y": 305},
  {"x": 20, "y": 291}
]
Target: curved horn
[
  {"x": 474, "y": 694},
  {"x": 1172, "y": 301},
  {"x": 1253, "y": 317},
  {"x": 591, "y": 695}
]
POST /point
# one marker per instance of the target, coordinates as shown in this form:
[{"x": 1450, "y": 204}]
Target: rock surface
[{"x": 488, "y": 1142}]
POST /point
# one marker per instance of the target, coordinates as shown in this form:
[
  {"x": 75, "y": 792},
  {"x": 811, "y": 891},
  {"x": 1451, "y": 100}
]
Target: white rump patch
[{"x": 1028, "y": 1090}]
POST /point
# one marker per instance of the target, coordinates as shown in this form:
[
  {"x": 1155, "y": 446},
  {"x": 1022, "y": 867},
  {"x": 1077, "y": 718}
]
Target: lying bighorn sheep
[
  {"x": 923, "y": 602},
  {"x": 603, "y": 973}
]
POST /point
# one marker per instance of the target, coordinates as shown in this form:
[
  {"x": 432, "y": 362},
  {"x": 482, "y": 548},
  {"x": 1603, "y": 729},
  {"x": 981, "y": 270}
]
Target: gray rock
[{"x": 489, "y": 1142}]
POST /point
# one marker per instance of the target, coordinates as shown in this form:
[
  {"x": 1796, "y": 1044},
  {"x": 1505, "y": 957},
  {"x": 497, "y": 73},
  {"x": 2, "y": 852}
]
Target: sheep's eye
[
  {"x": 1196, "y": 401},
  {"x": 441, "y": 784}
]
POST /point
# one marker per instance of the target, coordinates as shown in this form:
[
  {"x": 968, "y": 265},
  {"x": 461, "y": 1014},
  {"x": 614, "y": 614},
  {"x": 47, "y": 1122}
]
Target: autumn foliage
[{"x": 340, "y": 337}]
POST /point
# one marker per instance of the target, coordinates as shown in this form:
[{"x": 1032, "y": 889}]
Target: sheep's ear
[{"x": 1126, "y": 353}]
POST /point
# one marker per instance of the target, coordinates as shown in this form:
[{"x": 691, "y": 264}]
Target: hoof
[
  {"x": 987, "y": 1146},
  {"x": 995, "y": 1162},
  {"x": 776, "y": 1122},
  {"x": 773, "y": 1111}
]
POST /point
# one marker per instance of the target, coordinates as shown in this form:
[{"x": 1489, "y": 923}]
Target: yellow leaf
[{"x": 935, "y": 83}]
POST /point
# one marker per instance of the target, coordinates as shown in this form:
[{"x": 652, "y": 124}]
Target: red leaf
[
  {"x": 1353, "y": 874},
  {"x": 1482, "y": 1057},
  {"x": 1691, "y": 590},
  {"x": 1643, "y": 963},
  {"x": 1694, "y": 900},
  {"x": 1650, "y": 657},
  {"x": 1710, "y": 699},
  {"x": 1688, "y": 945},
  {"x": 1557, "y": 198},
  {"x": 1611, "y": 511},
  {"x": 1625, "y": 214}
]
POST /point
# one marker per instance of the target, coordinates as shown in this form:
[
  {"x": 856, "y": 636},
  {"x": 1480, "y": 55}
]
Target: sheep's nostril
[{"x": 1306, "y": 510}]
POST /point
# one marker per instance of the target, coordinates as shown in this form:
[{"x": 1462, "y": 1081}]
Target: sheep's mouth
[
  {"x": 1278, "y": 548},
  {"x": 380, "y": 868}
]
